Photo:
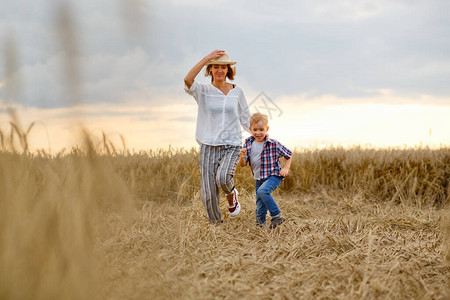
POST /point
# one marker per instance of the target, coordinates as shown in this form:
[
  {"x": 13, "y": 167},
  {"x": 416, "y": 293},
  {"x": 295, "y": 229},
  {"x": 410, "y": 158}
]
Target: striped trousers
[{"x": 217, "y": 167}]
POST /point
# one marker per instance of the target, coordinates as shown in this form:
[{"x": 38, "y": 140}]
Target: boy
[{"x": 263, "y": 153}]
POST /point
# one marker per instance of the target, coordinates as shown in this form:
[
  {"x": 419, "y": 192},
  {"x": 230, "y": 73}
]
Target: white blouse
[{"x": 219, "y": 115}]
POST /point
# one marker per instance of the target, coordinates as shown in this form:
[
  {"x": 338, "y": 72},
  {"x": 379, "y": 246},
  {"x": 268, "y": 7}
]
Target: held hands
[
  {"x": 243, "y": 152},
  {"x": 242, "y": 157}
]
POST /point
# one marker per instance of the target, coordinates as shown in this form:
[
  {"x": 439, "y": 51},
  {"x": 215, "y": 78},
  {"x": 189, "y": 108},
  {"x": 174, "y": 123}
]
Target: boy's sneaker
[
  {"x": 234, "y": 207},
  {"x": 275, "y": 222},
  {"x": 260, "y": 225}
]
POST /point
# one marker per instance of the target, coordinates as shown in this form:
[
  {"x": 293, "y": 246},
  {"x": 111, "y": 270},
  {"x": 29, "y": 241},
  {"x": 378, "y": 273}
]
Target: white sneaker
[{"x": 236, "y": 207}]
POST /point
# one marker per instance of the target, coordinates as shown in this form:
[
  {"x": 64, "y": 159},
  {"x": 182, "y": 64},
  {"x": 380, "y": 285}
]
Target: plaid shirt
[{"x": 272, "y": 151}]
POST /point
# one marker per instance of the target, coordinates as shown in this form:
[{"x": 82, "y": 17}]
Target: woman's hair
[
  {"x": 256, "y": 117},
  {"x": 230, "y": 73}
]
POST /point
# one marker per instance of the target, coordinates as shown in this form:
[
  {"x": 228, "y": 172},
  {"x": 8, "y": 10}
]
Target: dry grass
[
  {"x": 360, "y": 224},
  {"x": 50, "y": 210},
  {"x": 332, "y": 246},
  {"x": 418, "y": 177}
]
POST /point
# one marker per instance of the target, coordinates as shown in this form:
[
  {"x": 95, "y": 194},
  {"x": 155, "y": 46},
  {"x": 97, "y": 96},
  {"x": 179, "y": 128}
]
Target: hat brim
[{"x": 218, "y": 62}]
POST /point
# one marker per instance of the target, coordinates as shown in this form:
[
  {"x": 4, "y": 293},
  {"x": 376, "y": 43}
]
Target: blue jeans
[{"x": 264, "y": 199}]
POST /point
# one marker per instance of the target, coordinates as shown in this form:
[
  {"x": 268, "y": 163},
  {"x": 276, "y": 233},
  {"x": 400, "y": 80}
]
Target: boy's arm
[
  {"x": 285, "y": 170},
  {"x": 287, "y": 154}
]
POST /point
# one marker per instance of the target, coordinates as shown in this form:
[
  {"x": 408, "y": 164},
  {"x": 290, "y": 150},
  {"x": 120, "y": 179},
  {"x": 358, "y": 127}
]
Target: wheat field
[
  {"x": 331, "y": 247},
  {"x": 98, "y": 223}
]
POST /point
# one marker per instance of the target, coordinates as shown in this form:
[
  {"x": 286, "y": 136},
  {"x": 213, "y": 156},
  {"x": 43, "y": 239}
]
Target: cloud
[
  {"x": 107, "y": 78},
  {"x": 350, "y": 49},
  {"x": 304, "y": 122}
]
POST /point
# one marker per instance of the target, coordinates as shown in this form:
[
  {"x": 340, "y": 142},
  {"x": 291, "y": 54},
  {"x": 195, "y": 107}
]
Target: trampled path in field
[{"x": 331, "y": 246}]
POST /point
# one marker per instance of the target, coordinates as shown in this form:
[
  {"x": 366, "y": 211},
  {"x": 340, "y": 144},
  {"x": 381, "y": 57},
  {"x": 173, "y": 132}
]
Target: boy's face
[{"x": 259, "y": 131}]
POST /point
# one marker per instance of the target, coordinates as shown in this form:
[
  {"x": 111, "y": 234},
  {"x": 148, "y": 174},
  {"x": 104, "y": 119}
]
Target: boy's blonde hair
[{"x": 256, "y": 117}]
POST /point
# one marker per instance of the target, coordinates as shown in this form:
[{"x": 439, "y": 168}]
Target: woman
[{"x": 222, "y": 108}]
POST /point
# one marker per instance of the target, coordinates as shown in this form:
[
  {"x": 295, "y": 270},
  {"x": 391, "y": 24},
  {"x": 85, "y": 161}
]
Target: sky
[{"x": 372, "y": 73}]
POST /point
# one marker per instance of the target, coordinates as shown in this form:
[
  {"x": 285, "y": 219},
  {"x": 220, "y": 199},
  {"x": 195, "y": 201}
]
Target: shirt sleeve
[
  {"x": 283, "y": 151},
  {"x": 194, "y": 91},
  {"x": 244, "y": 112},
  {"x": 247, "y": 155}
]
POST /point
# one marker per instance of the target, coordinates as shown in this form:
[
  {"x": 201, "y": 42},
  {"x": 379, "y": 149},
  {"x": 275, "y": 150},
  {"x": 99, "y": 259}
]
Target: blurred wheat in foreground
[{"x": 361, "y": 223}]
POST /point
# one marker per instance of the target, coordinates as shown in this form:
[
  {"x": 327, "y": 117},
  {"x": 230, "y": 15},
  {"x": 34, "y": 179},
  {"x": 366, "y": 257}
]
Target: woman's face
[{"x": 219, "y": 72}]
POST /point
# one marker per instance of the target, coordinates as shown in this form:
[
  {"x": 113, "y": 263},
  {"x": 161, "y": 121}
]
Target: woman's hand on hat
[{"x": 215, "y": 54}]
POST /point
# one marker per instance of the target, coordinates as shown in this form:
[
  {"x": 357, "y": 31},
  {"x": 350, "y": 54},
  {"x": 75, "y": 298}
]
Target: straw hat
[{"x": 223, "y": 60}]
